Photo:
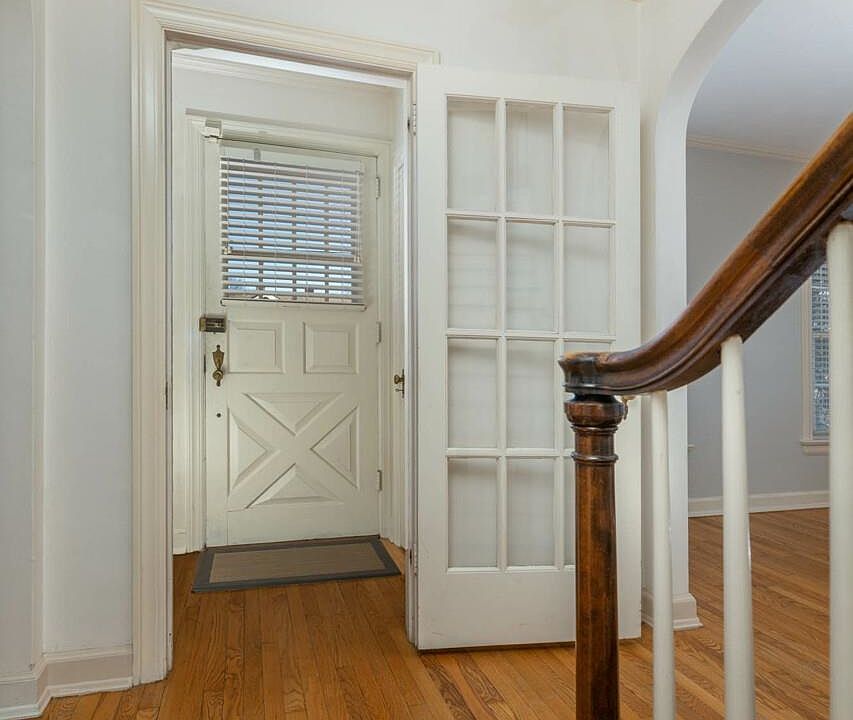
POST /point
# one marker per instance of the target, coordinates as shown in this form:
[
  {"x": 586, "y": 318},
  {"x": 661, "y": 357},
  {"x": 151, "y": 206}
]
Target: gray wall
[
  {"x": 19, "y": 323},
  {"x": 726, "y": 194}
]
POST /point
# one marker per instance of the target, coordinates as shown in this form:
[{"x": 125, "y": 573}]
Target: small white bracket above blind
[{"x": 291, "y": 226}]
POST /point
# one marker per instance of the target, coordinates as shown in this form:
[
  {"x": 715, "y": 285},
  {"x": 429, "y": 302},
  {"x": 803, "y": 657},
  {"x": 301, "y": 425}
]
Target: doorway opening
[{"x": 288, "y": 186}]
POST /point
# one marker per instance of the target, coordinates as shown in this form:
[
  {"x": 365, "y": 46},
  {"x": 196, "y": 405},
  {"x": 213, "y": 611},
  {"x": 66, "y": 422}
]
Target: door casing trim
[{"x": 153, "y": 26}]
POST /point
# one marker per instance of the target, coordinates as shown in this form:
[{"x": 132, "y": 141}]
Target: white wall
[
  {"x": 211, "y": 88},
  {"x": 88, "y": 434},
  {"x": 573, "y": 37},
  {"x": 88, "y": 349},
  {"x": 19, "y": 326},
  {"x": 679, "y": 41},
  {"x": 727, "y": 194}
]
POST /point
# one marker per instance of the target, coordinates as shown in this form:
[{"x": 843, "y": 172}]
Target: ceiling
[{"x": 783, "y": 82}]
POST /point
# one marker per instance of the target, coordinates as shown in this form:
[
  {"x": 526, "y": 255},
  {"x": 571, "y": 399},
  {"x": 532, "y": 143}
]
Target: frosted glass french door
[{"x": 527, "y": 247}]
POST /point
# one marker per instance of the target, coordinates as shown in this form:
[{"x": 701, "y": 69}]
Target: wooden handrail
[{"x": 777, "y": 257}]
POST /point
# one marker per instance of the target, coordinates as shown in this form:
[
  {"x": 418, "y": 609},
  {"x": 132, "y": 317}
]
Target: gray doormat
[{"x": 235, "y": 567}]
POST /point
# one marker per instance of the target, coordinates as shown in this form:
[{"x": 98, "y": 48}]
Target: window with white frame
[
  {"x": 816, "y": 337},
  {"x": 291, "y": 226}
]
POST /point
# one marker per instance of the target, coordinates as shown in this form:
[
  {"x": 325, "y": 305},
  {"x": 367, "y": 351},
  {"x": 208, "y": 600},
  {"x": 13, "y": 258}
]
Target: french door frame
[{"x": 154, "y": 26}]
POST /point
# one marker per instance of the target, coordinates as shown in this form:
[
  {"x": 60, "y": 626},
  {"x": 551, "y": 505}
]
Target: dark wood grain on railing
[
  {"x": 781, "y": 252},
  {"x": 597, "y": 620}
]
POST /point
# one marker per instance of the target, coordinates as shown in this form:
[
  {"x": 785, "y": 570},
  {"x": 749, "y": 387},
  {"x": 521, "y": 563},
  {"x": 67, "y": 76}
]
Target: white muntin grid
[{"x": 510, "y": 340}]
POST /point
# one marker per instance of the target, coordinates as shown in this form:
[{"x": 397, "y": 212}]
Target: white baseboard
[
  {"x": 684, "y": 615},
  {"x": 65, "y": 673},
  {"x": 764, "y": 502}
]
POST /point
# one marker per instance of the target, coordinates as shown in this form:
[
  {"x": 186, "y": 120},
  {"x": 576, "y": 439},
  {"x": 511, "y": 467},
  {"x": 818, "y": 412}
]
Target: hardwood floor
[{"x": 338, "y": 650}]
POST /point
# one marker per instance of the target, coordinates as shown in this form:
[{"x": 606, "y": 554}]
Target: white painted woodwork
[
  {"x": 663, "y": 646},
  {"x": 526, "y": 200},
  {"x": 840, "y": 264},
  {"x": 292, "y": 432},
  {"x": 737, "y": 574}
]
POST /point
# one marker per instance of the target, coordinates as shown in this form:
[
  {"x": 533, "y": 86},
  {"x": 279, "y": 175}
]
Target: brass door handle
[{"x": 218, "y": 358}]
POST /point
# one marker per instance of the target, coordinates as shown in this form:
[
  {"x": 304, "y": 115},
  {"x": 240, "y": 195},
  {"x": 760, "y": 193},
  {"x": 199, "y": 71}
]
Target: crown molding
[
  {"x": 707, "y": 142},
  {"x": 187, "y": 24}
]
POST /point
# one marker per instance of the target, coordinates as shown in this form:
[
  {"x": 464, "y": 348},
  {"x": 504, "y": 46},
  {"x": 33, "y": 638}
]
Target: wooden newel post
[{"x": 595, "y": 419}]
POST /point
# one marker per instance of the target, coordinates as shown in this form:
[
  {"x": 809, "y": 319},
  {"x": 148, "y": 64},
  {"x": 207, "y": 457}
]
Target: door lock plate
[{"x": 212, "y": 323}]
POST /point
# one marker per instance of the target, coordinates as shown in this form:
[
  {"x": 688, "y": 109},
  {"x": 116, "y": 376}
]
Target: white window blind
[
  {"x": 820, "y": 352},
  {"x": 291, "y": 227}
]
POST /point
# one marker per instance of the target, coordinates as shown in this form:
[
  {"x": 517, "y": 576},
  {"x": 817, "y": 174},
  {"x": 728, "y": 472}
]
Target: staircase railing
[{"x": 808, "y": 225}]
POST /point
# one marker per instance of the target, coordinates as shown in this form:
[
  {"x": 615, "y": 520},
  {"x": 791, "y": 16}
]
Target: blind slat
[
  {"x": 274, "y": 168},
  {"x": 292, "y": 179},
  {"x": 238, "y": 257}
]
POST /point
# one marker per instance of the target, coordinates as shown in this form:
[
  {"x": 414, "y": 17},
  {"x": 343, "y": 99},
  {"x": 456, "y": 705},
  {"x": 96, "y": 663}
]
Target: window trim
[{"x": 811, "y": 444}]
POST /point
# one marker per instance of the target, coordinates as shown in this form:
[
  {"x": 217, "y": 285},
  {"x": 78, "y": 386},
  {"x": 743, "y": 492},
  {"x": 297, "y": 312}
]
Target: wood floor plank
[
  {"x": 86, "y": 707},
  {"x": 107, "y": 706},
  {"x": 322, "y": 648},
  {"x": 338, "y": 650},
  {"x": 253, "y": 700},
  {"x": 302, "y": 656},
  {"x": 232, "y": 689}
]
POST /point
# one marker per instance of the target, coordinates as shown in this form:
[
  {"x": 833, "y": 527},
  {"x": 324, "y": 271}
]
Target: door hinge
[
  {"x": 413, "y": 558},
  {"x": 167, "y": 395},
  {"x": 378, "y": 333},
  {"x": 400, "y": 383},
  {"x": 413, "y": 120},
  {"x": 378, "y": 187},
  {"x": 379, "y": 480}
]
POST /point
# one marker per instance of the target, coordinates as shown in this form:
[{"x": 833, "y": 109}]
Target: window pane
[
  {"x": 530, "y": 276},
  {"x": 820, "y": 300},
  {"x": 586, "y": 163},
  {"x": 530, "y": 158},
  {"x": 472, "y": 274},
  {"x": 530, "y": 505},
  {"x": 473, "y": 512},
  {"x": 821, "y": 385},
  {"x": 586, "y": 290},
  {"x": 531, "y": 393},
  {"x": 820, "y": 351},
  {"x": 471, "y": 154},
  {"x": 472, "y": 373}
]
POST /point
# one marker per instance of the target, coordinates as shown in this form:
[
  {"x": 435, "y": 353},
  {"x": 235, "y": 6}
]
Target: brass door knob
[{"x": 400, "y": 383}]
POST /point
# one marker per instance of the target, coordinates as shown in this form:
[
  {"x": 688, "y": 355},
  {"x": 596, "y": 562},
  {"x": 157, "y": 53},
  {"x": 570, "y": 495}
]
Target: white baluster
[
  {"x": 839, "y": 254},
  {"x": 664, "y": 656},
  {"x": 740, "y": 683}
]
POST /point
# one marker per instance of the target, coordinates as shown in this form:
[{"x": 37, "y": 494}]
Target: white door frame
[
  {"x": 189, "y": 300},
  {"x": 153, "y": 25}
]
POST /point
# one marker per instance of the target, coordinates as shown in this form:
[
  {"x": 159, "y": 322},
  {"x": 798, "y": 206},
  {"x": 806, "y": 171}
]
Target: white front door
[
  {"x": 292, "y": 426},
  {"x": 527, "y": 247}
]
